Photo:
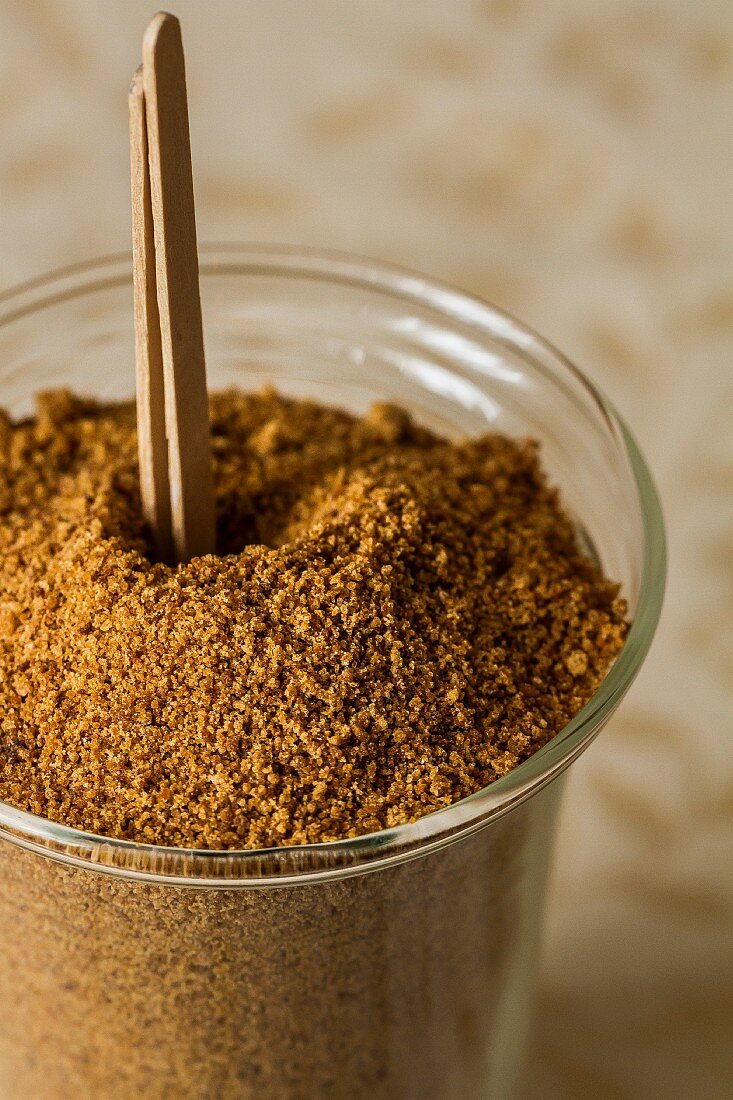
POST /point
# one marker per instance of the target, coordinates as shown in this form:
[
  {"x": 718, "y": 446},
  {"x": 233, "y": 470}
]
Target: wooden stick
[
  {"x": 179, "y": 302},
  {"x": 151, "y": 436}
]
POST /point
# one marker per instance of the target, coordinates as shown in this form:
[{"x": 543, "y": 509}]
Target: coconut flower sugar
[{"x": 391, "y": 622}]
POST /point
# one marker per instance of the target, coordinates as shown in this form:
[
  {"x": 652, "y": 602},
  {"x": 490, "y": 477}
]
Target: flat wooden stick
[
  {"x": 179, "y": 302},
  {"x": 151, "y": 435}
]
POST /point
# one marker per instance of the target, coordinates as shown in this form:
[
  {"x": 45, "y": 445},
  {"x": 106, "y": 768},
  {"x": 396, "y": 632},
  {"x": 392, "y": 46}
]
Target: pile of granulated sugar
[{"x": 392, "y": 622}]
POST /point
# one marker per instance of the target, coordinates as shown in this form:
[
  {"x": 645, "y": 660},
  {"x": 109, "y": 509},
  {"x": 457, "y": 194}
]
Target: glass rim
[{"x": 289, "y": 865}]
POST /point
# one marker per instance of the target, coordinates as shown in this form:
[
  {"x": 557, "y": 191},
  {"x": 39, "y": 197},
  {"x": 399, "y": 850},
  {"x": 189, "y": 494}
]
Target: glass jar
[{"x": 397, "y": 965}]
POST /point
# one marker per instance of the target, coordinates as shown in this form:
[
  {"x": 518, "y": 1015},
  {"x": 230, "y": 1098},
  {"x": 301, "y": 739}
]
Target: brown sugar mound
[{"x": 392, "y": 622}]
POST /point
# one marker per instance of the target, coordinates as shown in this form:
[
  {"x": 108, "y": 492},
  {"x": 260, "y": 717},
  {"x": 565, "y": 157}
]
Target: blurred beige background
[{"x": 570, "y": 161}]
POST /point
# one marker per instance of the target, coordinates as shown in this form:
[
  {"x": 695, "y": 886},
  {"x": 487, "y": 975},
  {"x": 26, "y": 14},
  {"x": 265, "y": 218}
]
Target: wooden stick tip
[
  {"x": 136, "y": 84},
  {"x": 162, "y": 26}
]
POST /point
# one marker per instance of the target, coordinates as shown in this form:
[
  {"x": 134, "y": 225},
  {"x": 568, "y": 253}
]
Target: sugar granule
[{"x": 392, "y": 622}]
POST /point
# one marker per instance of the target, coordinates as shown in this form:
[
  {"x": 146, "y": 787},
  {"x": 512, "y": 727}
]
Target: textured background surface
[{"x": 567, "y": 160}]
